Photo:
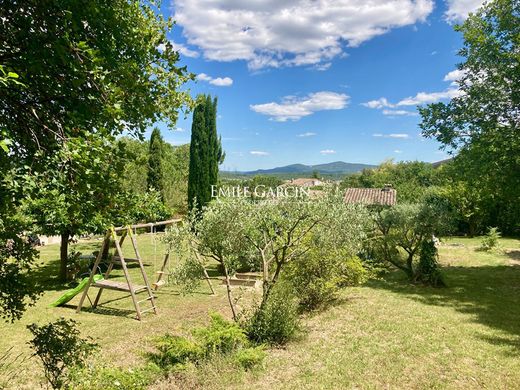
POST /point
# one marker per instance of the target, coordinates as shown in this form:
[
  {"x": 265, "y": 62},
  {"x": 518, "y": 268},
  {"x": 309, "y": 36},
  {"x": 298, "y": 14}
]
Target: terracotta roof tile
[{"x": 371, "y": 196}]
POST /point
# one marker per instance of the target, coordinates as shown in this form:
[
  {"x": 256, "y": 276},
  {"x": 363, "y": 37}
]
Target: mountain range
[{"x": 333, "y": 168}]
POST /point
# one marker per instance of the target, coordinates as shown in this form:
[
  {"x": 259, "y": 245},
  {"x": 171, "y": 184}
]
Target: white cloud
[
  {"x": 393, "y": 135},
  {"x": 458, "y": 10},
  {"x": 276, "y": 33},
  {"x": 429, "y": 97},
  {"x": 399, "y": 113},
  {"x": 379, "y": 103},
  {"x": 454, "y": 75},
  {"x": 398, "y": 151},
  {"x": 180, "y": 129},
  {"x": 307, "y": 134},
  {"x": 294, "y": 108},
  {"x": 182, "y": 49},
  {"x": 323, "y": 67},
  {"x": 218, "y": 81},
  {"x": 327, "y": 151},
  {"x": 258, "y": 153}
]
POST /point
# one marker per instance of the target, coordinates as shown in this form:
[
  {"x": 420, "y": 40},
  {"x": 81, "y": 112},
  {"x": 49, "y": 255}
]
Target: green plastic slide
[{"x": 73, "y": 292}]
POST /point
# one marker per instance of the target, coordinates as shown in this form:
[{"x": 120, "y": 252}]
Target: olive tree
[{"x": 402, "y": 230}]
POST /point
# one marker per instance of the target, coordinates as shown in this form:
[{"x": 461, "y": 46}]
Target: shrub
[
  {"x": 60, "y": 348},
  {"x": 427, "y": 270},
  {"x": 250, "y": 358},
  {"x": 319, "y": 274},
  {"x": 354, "y": 272},
  {"x": 490, "y": 240},
  {"x": 221, "y": 336},
  {"x": 276, "y": 321},
  {"x": 175, "y": 351}
]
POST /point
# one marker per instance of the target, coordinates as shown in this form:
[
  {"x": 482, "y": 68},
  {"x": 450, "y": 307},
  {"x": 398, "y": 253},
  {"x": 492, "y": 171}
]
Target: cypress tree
[
  {"x": 205, "y": 152},
  {"x": 198, "y": 173},
  {"x": 155, "y": 174}
]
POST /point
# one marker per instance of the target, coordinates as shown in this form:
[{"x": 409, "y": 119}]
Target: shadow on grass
[{"x": 491, "y": 294}]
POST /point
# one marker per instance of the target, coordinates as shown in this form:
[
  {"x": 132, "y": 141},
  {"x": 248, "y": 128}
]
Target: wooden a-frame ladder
[{"x": 127, "y": 286}]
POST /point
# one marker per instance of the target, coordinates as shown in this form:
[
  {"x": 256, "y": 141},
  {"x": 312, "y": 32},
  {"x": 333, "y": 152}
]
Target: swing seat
[{"x": 158, "y": 284}]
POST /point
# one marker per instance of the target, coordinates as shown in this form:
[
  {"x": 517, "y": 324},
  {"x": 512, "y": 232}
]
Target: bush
[
  {"x": 250, "y": 358},
  {"x": 319, "y": 274},
  {"x": 428, "y": 270},
  {"x": 354, "y": 272},
  {"x": 490, "y": 240},
  {"x": 60, "y": 348},
  {"x": 276, "y": 322},
  {"x": 220, "y": 336},
  {"x": 175, "y": 351}
]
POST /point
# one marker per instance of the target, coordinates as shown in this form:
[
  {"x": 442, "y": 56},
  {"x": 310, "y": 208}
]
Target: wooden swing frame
[{"x": 119, "y": 259}]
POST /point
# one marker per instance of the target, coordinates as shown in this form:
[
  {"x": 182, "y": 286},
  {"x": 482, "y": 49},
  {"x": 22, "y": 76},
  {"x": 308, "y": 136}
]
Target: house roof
[
  {"x": 371, "y": 196},
  {"x": 303, "y": 181}
]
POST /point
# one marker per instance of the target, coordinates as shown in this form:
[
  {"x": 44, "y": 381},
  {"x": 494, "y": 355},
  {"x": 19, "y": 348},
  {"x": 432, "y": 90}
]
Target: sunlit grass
[{"x": 386, "y": 334}]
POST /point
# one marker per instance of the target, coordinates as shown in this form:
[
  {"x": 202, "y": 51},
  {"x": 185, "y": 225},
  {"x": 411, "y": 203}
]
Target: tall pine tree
[
  {"x": 155, "y": 174},
  {"x": 205, "y": 152}
]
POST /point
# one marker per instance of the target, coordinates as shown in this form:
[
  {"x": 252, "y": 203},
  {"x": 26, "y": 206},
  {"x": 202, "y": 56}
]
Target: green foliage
[
  {"x": 221, "y": 336},
  {"x": 481, "y": 124},
  {"x": 250, "y": 358},
  {"x": 174, "y": 162},
  {"x": 205, "y": 152},
  {"x": 99, "y": 71},
  {"x": 411, "y": 179},
  {"x": 174, "y": 351},
  {"x": 60, "y": 348},
  {"x": 402, "y": 230},
  {"x": 155, "y": 156},
  {"x": 428, "y": 269},
  {"x": 105, "y": 378},
  {"x": 491, "y": 239},
  {"x": 275, "y": 320}
]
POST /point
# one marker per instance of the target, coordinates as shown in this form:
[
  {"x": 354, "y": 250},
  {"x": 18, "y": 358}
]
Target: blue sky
[{"x": 316, "y": 81}]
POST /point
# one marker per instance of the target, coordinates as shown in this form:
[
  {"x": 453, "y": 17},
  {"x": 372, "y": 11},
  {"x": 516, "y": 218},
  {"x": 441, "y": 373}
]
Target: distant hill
[{"x": 336, "y": 168}]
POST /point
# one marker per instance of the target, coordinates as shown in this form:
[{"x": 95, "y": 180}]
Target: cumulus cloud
[
  {"x": 258, "y": 153},
  {"x": 458, "y": 10},
  {"x": 218, "y": 81},
  {"x": 307, "y": 134},
  {"x": 276, "y": 33},
  {"x": 294, "y": 108},
  {"x": 398, "y": 151},
  {"x": 327, "y": 151}
]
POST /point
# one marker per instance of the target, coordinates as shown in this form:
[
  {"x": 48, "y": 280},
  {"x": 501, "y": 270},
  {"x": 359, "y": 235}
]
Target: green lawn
[{"x": 386, "y": 334}]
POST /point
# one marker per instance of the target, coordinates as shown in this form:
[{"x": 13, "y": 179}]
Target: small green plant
[
  {"x": 175, "y": 351},
  {"x": 276, "y": 321},
  {"x": 60, "y": 348},
  {"x": 221, "y": 336},
  {"x": 250, "y": 358},
  {"x": 490, "y": 240}
]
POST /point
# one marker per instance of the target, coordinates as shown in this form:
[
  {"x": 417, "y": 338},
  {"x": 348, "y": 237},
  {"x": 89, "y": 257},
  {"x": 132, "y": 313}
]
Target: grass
[{"x": 386, "y": 334}]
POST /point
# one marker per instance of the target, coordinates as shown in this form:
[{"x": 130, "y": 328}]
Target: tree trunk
[
  {"x": 64, "y": 254},
  {"x": 229, "y": 294}
]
